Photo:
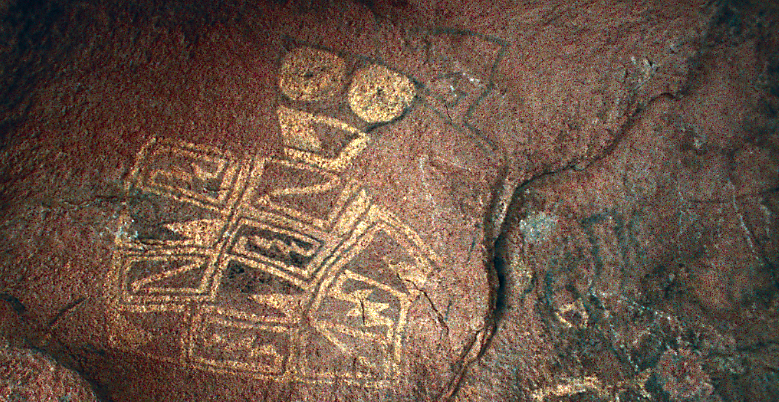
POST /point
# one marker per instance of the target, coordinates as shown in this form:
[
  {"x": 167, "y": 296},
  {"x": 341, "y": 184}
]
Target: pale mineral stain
[
  {"x": 522, "y": 272},
  {"x": 592, "y": 384},
  {"x": 537, "y": 227}
]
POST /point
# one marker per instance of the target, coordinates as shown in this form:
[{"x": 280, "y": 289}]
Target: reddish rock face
[
  {"x": 30, "y": 376},
  {"x": 405, "y": 201},
  {"x": 296, "y": 213}
]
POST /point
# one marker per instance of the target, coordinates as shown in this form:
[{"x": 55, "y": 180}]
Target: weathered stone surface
[
  {"x": 275, "y": 208},
  {"x": 30, "y": 376},
  {"x": 651, "y": 274},
  {"x": 394, "y": 200}
]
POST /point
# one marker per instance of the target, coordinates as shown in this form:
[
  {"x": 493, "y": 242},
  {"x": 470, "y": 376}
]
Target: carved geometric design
[
  {"x": 163, "y": 276},
  {"x": 228, "y": 342},
  {"x": 298, "y": 130},
  {"x": 189, "y": 173},
  {"x": 285, "y": 270}
]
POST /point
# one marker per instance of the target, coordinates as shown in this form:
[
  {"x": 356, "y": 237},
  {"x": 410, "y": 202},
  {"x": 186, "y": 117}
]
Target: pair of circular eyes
[{"x": 376, "y": 94}]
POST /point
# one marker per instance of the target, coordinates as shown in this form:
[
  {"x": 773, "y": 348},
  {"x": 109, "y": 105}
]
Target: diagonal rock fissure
[{"x": 507, "y": 197}]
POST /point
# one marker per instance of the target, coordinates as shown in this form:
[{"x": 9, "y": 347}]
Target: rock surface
[
  {"x": 394, "y": 200},
  {"x": 30, "y": 376}
]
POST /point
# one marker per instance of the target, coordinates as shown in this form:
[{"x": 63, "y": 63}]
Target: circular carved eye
[
  {"x": 379, "y": 95},
  {"x": 309, "y": 74}
]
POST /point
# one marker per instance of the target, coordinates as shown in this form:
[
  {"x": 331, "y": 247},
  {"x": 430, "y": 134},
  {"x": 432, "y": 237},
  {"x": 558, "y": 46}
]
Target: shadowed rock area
[{"x": 400, "y": 200}]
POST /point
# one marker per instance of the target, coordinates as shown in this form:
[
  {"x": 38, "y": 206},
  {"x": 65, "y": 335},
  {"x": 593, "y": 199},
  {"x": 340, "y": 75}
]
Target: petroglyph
[
  {"x": 283, "y": 268},
  {"x": 380, "y": 95},
  {"x": 261, "y": 274}
]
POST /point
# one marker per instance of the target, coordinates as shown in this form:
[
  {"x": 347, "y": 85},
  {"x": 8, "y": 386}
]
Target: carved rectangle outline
[
  {"x": 143, "y": 178},
  {"x": 203, "y": 292},
  {"x": 210, "y": 314},
  {"x": 304, "y": 273}
]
